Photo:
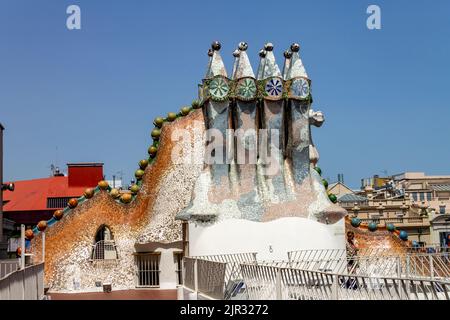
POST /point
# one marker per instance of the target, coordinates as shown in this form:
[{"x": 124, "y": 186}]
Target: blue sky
[{"x": 93, "y": 93}]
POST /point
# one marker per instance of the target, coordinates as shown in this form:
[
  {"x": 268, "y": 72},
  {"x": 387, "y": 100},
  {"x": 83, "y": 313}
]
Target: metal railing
[
  {"x": 375, "y": 274},
  {"x": 24, "y": 284},
  {"x": 189, "y": 271},
  {"x": 270, "y": 282},
  {"x": 232, "y": 270},
  {"x": 212, "y": 280},
  {"x": 374, "y": 262},
  {"x": 220, "y": 275},
  {"x": 104, "y": 250},
  {"x": 8, "y": 265}
]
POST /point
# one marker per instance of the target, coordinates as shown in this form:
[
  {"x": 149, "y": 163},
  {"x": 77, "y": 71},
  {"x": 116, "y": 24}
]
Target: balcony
[{"x": 416, "y": 221}]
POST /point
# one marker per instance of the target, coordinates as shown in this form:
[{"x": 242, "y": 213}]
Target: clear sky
[{"x": 92, "y": 94}]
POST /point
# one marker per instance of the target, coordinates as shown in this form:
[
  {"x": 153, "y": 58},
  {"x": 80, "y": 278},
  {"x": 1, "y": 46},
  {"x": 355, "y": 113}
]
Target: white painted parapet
[{"x": 271, "y": 240}]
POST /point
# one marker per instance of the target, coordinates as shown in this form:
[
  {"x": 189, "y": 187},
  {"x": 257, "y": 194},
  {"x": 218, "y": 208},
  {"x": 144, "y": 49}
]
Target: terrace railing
[
  {"x": 370, "y": 262},
  {"x": 270, "y": 282},
  {"x": 216, "y": 276},
  {"x": 8, "y": 265},
  {"x": 323, "y": 274},
  {"x": 24, "y": 284}
]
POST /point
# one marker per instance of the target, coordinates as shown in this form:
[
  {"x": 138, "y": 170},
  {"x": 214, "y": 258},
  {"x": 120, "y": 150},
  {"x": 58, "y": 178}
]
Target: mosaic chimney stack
[
  {"x": 272, "y": 136},
  {"x": 265, "y": 168}
]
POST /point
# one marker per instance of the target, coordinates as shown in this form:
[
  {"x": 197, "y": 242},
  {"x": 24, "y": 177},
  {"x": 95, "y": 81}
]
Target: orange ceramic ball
[
  {"x": 89, "y": 193},
  {"x": 29, "y": 234},
  {"x": 58, "y": 214},
  {"x": 115, "y": 193},
  {"x": 19, "y": 251},
  {"x": 73, "y": 203},
  {"x": 42, "y": 225},
  {"x": 103, "y": 185},
  {"x": 126, "y": 198}
]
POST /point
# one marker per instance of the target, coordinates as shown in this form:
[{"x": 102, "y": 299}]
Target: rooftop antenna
[
  {"x": 56, "y": 157},
  {"x": 120, "y": 174}
]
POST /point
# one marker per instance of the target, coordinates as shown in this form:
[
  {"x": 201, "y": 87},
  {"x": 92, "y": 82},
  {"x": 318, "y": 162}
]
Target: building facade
[
  {"x": 430, "y": 193},
  {"x": 411, "y": 201},
  {"x": 37, "y": 199}
]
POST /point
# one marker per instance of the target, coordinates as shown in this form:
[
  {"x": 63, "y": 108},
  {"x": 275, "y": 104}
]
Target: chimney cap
[{"x": 85, "y": 164}]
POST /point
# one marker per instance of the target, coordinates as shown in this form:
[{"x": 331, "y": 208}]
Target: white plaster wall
[
  {"x": 168, "y": 267},
  {"x": 271, "y": 240}
]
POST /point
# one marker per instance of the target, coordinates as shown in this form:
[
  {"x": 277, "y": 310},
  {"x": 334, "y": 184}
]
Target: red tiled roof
[{"x": 32, "y": 194}]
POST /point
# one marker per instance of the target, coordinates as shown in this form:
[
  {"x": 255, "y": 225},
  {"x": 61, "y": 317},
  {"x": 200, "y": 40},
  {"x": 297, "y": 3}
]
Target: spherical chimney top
[
  {"x": 268, "y": 46},
  {"x": 216, "y": 45},
  {"x": 243, "y": 46},
  {"x": 295, "y": 47}
]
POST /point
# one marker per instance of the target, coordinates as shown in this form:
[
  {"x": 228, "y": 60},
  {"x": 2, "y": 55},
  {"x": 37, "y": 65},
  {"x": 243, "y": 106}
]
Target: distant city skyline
[{"x": 93, "y": 93}]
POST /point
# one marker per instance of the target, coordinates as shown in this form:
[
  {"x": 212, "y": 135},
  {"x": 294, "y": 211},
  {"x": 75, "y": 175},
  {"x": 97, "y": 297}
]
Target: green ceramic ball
[
  {"x": 134, "y": 188},
  {"x": 139, "y": 173},
  {"x": 372, "y": 226},
  {"x": 195, "y": 104},
  {"x": 152, "y": 151},
  {"x": 156, "y": 133},
  {"x": 143, "y": 164},
  {"x": 158, "y": 122},
  {"x": 390, "y": 227},
  {"x": 185, "y": 111},
  {"x": 325, "y": 183},
  {"x": 332, "y": 197},
  {"x": 171, "y": 116},
  {"x": 319, "y": 171},
  {"x": 356, "y": 222},
  {"x": 403, "y": 235}
]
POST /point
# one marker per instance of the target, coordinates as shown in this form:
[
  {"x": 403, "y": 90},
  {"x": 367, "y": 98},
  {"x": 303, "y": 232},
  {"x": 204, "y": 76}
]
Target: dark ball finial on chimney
[
  {"x": 216, "y": 46},
  {"x": 295, "y": 47},
  {"x": 268, "y": 46},
  {"x": 243, "y": 46}
]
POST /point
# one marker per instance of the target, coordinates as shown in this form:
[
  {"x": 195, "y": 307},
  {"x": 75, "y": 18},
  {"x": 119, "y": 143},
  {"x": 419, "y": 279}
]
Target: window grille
[
  {"x": 57, "y": 203},
  {"x": 147, "y": 269}
]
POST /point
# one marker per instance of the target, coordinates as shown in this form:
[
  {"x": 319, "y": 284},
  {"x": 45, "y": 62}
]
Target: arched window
[{"x": 104, "y": 247}]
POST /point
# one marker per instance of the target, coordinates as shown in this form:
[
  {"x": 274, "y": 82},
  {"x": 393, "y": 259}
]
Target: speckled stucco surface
[{"x": 165, "y": 190}]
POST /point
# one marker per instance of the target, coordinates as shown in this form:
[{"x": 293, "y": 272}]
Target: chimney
[{"x": 85, "y": 174}]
